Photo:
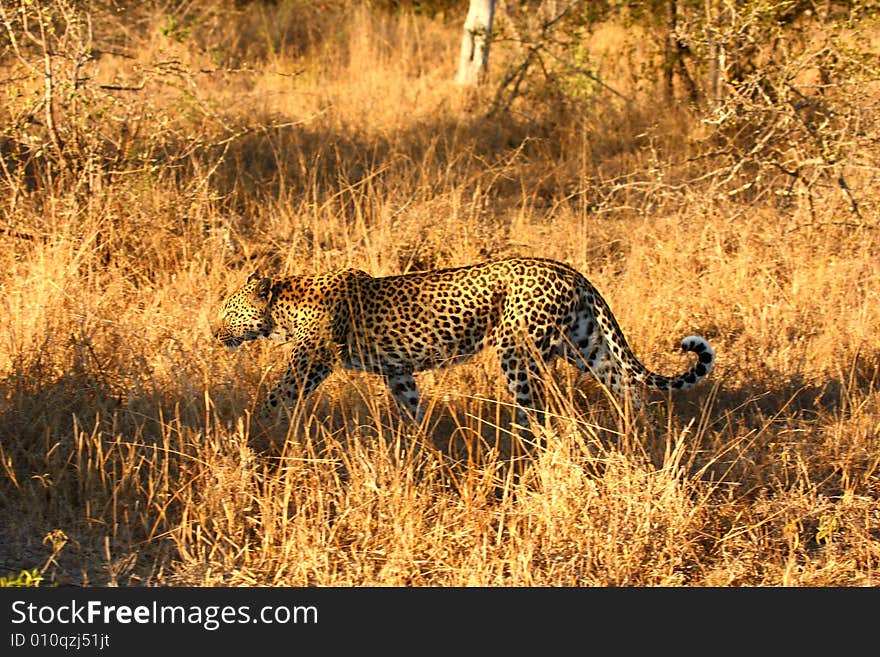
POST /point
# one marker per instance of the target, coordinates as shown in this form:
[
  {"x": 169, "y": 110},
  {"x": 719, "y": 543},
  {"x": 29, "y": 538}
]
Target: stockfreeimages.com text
[{"x": 210, "y": 617}]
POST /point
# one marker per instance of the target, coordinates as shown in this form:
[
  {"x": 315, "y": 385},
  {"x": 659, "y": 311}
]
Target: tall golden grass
[{"x": 124, "y": 428}]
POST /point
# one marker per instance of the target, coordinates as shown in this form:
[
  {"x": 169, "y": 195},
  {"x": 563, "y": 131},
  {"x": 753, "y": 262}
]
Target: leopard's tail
[
  {"x": 699, "y": 371},
  {"x": 616, "y": 347}
]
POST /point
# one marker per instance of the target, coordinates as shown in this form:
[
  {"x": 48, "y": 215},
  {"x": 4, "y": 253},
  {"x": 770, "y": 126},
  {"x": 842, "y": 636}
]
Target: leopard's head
[{"x": 245, "y": 314}]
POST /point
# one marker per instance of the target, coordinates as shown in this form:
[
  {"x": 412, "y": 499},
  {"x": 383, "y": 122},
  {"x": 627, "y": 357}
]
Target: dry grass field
[{"x": 181, "y": 146}]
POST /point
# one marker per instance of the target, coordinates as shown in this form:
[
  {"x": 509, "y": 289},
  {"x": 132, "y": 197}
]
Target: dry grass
[{"x": 123, "y": 427}]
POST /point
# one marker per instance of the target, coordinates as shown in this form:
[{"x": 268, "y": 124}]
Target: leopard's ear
[{"x": 263, "y": 289}]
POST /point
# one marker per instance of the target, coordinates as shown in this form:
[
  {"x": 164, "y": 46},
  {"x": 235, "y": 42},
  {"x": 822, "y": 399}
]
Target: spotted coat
[{"x": 529, "y": 310}]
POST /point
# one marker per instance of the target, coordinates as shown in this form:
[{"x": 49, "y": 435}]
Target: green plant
[{"x": 26, "y": 578}]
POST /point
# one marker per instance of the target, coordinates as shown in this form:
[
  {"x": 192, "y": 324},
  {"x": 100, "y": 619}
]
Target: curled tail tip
[
  {"x": 695, "y": 343},
  {"x": 703, "y": 350}
]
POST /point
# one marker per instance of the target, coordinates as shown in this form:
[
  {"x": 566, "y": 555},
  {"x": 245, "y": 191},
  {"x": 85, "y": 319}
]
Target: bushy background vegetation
[{"x": 711, "y": 166}]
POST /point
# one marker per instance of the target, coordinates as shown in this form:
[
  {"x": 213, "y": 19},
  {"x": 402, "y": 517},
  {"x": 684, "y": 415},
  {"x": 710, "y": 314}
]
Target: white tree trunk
[{"x": 474, "y": 58}]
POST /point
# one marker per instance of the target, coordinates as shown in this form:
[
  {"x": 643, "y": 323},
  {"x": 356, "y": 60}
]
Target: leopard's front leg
[{"x": 305, "y": 372}]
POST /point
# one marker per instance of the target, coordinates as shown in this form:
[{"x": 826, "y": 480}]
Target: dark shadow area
[
  {"x": 80, "y": 488},
  {"x": 763, "y": 439},
  {"x": 298, "y": 161}
]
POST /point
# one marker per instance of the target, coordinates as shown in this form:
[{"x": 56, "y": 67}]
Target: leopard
[{"x": 530, "y": 310}]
